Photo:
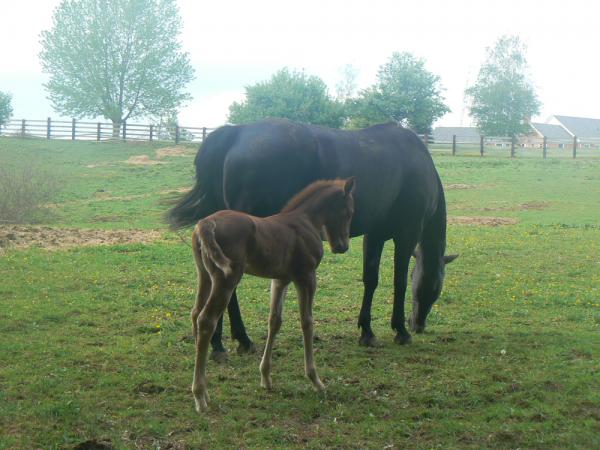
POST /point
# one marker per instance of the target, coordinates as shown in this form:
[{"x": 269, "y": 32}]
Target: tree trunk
[{"x": 116, "y": 128}]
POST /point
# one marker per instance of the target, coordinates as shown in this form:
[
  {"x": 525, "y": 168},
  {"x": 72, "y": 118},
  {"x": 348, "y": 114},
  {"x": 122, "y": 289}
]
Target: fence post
[
  {"x": 453, "y": 144},
  {"x": 23, "y": 128},
  {"x": 512, "y": 146},
  {"x": 124, "y": 130},
  {"x": 545, "y": 146},
  {"x": 151, "y": 132},
  {"x": 98, "y": 131},
  {"x": 48, "y": 126},
  {"x": 73, "y": 129},
  {"x": 203, "y": 133},
  {"x": 481, "y": 145},
  {"x": 176, "y": 134},
  {"x": 574, "y": 146}
]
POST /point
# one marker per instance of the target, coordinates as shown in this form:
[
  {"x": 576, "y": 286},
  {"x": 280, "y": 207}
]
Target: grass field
[{"x": 95, "y": 344}]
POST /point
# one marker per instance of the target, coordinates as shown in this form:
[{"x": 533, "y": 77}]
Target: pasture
[{"x": 96, "y": 347}]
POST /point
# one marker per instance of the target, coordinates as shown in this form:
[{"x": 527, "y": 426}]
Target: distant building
[
  {"x": 556, "y": 136},
  {"x": 587, "y": 130},
  {"x": 464, "y": 135}
]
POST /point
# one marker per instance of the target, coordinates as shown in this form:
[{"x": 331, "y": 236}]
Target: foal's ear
[
  {"x": 449, "y": 258},
  {"x": 349, "y": 186}
]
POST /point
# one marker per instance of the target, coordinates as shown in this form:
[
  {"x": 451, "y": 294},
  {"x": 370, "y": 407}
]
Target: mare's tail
[
  {"x": 206, "y": 196},
  {"x": 210, "y": 246}
]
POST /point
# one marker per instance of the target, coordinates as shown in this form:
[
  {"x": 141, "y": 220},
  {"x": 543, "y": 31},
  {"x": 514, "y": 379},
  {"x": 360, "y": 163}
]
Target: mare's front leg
[
  {"x": 306, "y": 292},
  {"x": 403, "y": 248},
  {"x": 278, "y": 291},
  {"x": 372, "y": 248}
]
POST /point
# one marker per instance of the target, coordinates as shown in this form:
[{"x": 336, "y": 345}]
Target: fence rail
[{"x": 103, "y": 131}]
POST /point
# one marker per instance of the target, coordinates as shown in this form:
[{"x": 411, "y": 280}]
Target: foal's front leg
[
  {"x": 278, "y": 291},
  {"x": 306, "y": 294}
]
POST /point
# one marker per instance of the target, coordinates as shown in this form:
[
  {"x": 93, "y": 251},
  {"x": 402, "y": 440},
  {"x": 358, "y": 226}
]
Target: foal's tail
[{"x": 205, "y": 231}]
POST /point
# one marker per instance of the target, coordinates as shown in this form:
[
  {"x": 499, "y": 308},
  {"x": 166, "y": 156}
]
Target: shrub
[{"x": 24, "y": 192}]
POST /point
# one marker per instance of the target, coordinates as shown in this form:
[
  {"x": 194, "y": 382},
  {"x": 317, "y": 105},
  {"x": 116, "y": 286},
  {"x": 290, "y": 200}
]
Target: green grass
[{"x": 95, "y": 341}]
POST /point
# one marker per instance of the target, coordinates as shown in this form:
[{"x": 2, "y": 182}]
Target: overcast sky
[{"x": 233, "y": 44}]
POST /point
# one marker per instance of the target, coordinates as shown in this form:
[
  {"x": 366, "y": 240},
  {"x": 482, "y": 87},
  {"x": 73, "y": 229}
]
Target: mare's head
[
  {"x": 338, "y": 215},
  {"x": 427, "y": 282}
]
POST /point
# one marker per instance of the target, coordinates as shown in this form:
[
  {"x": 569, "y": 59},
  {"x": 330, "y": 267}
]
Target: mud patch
[
  {"x": 24, "y": 236},
  {"x": 483, "y": 221},
  {"x": 142, "y": 160}
]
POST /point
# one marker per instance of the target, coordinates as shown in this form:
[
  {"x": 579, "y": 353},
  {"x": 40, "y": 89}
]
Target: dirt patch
[
  {"x": 484, "y": 221},
  {"x": 24, "y": 236},
  {"x": 142, "y": 160},
  {"x": 527, "y": 206},
  {"x": 459, "y": 186},
  {"x": 174, "y": 151}
]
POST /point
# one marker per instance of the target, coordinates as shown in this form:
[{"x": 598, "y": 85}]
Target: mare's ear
[
  {"x": 416, "y": 252},
  {"x": 449, "y": 258},
  {"x": 349, "y": 186}
]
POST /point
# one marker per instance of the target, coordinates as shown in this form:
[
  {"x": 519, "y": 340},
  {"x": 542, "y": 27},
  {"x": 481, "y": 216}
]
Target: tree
[
  {"x": 405, "y": 92},
  {"x": 5, "y": 107},
  {"x": 288, "y": 94},
  {"x": 118, "y": 59},
  {"x": 502, "y": 100}
]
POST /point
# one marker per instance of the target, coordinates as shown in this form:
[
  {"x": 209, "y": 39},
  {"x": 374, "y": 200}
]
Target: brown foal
[{"x": 286, "y": 247}]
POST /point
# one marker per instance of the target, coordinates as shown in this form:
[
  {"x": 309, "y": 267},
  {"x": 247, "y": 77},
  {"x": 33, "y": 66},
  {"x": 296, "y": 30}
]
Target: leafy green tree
[
  {"x": 118, "y": 59},
  {"x": 5, "y": 107},
  {"x": 405, "y": 92},
  {"x": 288, "y": 94},
  {"x": 503, "y": 99}
]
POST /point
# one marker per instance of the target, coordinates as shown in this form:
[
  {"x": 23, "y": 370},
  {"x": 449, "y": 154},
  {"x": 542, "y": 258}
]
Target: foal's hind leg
[
  {"x": 206, "y": 323},
  {"x": 278, "y": 291},
  {"x": 204, "y": 286},
  {"x": 306, "y": 294}
]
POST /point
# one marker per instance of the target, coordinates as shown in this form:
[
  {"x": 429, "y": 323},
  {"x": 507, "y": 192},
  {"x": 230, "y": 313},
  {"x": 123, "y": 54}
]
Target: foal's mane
[{"x": 314, "y": 190}]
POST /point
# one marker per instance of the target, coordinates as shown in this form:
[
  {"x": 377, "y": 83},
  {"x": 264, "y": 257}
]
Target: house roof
[
  {"x": 463, "y": 134},
  {"x": 551, "y": 131},
  {"x": 581, "y": 127}
]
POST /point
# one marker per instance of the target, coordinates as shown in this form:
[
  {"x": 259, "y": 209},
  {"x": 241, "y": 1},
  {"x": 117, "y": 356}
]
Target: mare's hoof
[
  {"x": 367, "y": 341},
  {"x": 246, "y": 347},
  {"x": 403, "y": 339},
  {"x": 219, "y": 357}
]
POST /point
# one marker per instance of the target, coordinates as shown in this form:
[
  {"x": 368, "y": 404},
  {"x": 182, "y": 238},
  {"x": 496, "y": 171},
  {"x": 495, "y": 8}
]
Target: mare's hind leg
[
  {"x": 306, "y": 294},
  {"x": 238, "y": 332},
  {"x": 372, "y": 248},
  {"x": 278, "y": 291},
  {"x": 403, "y": 247},
  {"x": 222, "y": 288}
]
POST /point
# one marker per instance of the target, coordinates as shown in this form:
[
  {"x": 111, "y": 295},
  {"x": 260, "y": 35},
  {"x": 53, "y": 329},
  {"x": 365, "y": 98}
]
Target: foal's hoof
[
  {"x": 367, "y": 341},
  {"x": 219, "y": 357},
  {"x": 402, "y": 339},
  {"x": 246, "y": 347}
]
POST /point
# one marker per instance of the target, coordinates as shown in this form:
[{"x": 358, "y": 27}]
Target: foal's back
[{"x": 271, "y": 247}]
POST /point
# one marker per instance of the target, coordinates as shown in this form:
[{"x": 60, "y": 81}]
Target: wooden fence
[{"x": 103, "y": 131}]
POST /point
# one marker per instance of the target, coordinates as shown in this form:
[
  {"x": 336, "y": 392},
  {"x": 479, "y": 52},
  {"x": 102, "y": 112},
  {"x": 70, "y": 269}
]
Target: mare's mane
[{"x": 318, "y": 188}]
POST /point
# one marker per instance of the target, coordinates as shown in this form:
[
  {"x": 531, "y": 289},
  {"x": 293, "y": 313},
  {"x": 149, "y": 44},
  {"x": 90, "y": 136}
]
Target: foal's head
[
  {"x": 332, "y": 203},
  {"x": 338, "y": 216}
]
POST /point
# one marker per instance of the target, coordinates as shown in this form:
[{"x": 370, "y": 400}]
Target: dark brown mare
[
  {"x": 286, "y": 247},
  {"x": 256, "y": 168}
]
